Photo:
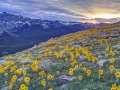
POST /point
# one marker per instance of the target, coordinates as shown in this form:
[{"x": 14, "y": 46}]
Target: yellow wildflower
[
  {"x": 100, "y": 71},
  {"x": 26, "y": 79},
  {"x": 43, "y": 82}
]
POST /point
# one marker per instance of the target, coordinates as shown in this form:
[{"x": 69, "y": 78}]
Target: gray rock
[
  {"x": 27, "y": 61},
  {"x": 63, "y": 80},
  {"x": 116, "y": 51},
  {"x": 44, "y": 64},
  {"x": 42, "y": 51},
  {"x": 119, "y": 37},
  {"x": 68, "y": 78},
  {"x": 3, "y": 61},
  {"x": 25, "y": 68},
  {"x": 62, "y": 53},
  {"x": 100, "y": 56},
  {"x": 20, "y": 56},
  {"x": 76, "y": 45},
  {"x": 82, "y": 57},
  {"x": 117, "y": 69},
  {"x": 101, "y": 63},
  {"x": 63, "y": 86},
  {"x": 117, "y": 46},
  {"x": 5, "y": 88},
  {"x": 20, "y": 79},
  {"x": 60, "y": 82}
]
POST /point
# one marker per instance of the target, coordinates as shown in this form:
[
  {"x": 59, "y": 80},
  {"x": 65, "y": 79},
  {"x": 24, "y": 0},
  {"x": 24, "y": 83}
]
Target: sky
[{"x": 94, "y": 11}]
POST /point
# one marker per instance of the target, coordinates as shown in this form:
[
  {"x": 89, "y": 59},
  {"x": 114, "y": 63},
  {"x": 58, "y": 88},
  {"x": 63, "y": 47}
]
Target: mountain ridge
[
  {"x": 84, "y": 60},
  {"x": 34, "y": 31}
]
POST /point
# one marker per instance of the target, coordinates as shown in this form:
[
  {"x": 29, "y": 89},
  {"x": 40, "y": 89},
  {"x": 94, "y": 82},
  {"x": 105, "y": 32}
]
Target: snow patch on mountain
[
  {"x": 11, "y": 34},
  {"x": 45, "y": 26},
  {"x": 69, "y": 23},
  {"x": 1, "y": 32}
]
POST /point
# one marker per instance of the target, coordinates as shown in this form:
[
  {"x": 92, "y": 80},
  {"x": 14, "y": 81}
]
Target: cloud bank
[{"x": 75, "y": 10}]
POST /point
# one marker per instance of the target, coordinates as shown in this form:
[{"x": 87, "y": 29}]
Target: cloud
[
  {"x": 77, "y": 10},
  {"x": 112, "y": 20}
]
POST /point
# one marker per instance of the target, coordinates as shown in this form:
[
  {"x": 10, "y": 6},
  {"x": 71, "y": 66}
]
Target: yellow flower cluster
[
  {"x": 42, "y": 73},
  {"x": 26, "y": 79},
  {"x": 23, "y": 87},
  {"x": 14, "y": 78},
  {"x": 49, "y": 77}
]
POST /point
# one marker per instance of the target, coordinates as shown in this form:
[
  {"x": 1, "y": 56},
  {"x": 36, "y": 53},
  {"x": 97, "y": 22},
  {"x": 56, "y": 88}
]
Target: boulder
[
  {"x": 82, "y": 57},
  {"x": 3, "y": 61},
  {"x": 5, "y": 88},
  {"x": 20, "y": 56},
  {"x": 44, "y": 64},
  {"x": 101, "y": 63},
  {"x": 100, "y": 56},
  {"x": 20, "y": 79},
  {"x": 42, "y": 51},
  {"x": 63, "y": 79},
  {"x": 68, "y": 78},
  {"x": 117, "y": 46},
  {"x": 63, "y": 53},
  {"x": 27, "y": 61}
]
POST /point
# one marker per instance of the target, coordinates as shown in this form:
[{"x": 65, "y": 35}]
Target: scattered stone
[
  {"x": 60, "y": 82},
  {"x": 20, "y": 79},
  {"x": 68, "y": 78},
  {"x": 119, "y": 37},
  {"x": 104, "y": 36},
  {"x": 84, "y": 63},
  {"x": 85, "y": 89},
  {"x": 62, "y": 53},
  {"x": 96, "y": 43},
  {"x": 117, "y": 69},
  {"x": 91, "y": 36},
  {"x": 25, "y": 68},
  {"x": 42, "y": 44},
  {"x": 5, "y": 88},
  {"x": 101, "y": 63},
  {"x": 27, "y": 61},
  {"x": 63, "y": 86},
  {"x": 116, "y": 51},
  {"x": 63, "y": 79},
  {"x": 86, "y": 44},
  {"x": 3, "y": 61},
  {"x": 20, "y": 56},
  {"x": 82, "y": 57},
  {"x": 76, "y": 45},
  {"x": 44, "y": 64},
  {"x": 42, "y": 51},
  {"x": 117, "y": 46},
  {"x": 35, "y": 46},
  {"x": 100, "y": 56}
]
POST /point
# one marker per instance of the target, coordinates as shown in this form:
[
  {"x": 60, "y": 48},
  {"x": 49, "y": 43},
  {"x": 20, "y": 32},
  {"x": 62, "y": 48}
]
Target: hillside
[
  {"x": 34, "y": 31},
  {"x": 30, "y": 29},
  {"x": 85, "y": 60}
]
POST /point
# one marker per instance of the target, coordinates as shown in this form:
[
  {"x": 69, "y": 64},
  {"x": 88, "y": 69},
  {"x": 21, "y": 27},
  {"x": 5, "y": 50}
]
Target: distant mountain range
[{"x": 18, "y": 33}]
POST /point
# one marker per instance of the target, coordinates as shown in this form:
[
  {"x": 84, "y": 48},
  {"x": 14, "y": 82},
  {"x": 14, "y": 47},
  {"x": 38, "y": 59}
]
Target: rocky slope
[{"x": 85, "y": 60}]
